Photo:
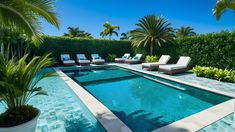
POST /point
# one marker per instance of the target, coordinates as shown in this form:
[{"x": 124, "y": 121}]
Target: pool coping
[
  {"x": 178, "y": 81},
  {"x": 109, "y": 121},
  {"x": 192, "y": 123}
]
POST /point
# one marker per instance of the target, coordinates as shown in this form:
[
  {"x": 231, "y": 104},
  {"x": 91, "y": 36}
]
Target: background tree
[
  {"x": 124, "y": 36},
  {"x": 109, "y": 30},
  {"x": 221, "y": 6},
  {"x": 23, "y": 16},
  {"x": 14, "y": 44},
  {"x": 151, "y": 30},
  {"x": 185, "y": 31},
  {"x": 76, "y": 32}
]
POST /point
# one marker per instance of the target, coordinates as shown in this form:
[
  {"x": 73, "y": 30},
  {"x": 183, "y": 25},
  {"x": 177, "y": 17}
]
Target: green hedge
[
  {"x": 60, "y": 45},
  {"x": 215, "y": 49}
]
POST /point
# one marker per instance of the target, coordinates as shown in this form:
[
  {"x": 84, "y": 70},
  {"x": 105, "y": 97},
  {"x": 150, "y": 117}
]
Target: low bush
[
  {"x": 149, "y": 59},
  {"x": 215, "y": 73},
  {"x": 111, "y": 57}
]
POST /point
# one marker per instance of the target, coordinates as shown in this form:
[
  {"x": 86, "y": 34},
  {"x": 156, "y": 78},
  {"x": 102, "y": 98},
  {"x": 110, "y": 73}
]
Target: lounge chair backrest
[
  {"x": 184, "y": 60},
  {"x": 81, "y": 57},
  {"x": 65, "y": 57},
  {"x": 137, "y": 57},
  {"x": 126, "y": 56},
  {"x": 95, "y": 56},
  {"x": 164, "y": 59}
]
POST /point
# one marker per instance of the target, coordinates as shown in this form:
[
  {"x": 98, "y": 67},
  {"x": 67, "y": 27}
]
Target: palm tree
[
  {"x": 109, "y": 30},
  {"x": 18, "y": 85},
  {"x": 24, "y": 15},
  {"x": 221, "y": 6},
  {"x": 76, "y": 32},
  {"x": 151, "y": 30},
  {"x": 185, "y": 31},
  {"x": 124, "y": 36}
]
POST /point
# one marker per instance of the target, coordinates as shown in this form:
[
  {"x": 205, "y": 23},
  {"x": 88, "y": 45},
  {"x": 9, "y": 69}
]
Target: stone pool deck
[{"x": 226, "y": 124}]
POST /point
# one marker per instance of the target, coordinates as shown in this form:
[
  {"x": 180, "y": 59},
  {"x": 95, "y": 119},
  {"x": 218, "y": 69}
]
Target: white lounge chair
[
  {"x": 179, "y": 67},
  {"x": 122, "y": 60},
  {"x": 96, "y": 59},
  {"x": 154, "y": 65},
  {"x": 65, "y": 58},
  {"x": 82, "y": 60},
  {"x": 135, "y": 60}
]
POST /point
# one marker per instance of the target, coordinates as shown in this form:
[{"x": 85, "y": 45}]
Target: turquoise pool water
[
  {"x": 140, "y": 102},
  {"x": 61, "y": 110}
]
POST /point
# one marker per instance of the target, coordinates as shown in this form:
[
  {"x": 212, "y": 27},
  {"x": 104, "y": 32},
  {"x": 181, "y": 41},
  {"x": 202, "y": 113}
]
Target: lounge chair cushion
[
  {"x": 98, "y": 60},
  {"x": 65, "y": 59},
  {"x": 183, "y": 60},
  {"x": 172, "y": 67},
  {"x": 137, "y": 57},
  {"x": 164, "y": 59},
  {"x": 119, "y": 59},
  {"x": 126, "y": 56},
  {"x": 69, "y": 62},
  {"x": 84, "y": 61},
  {"x": 152, "y": 64}
]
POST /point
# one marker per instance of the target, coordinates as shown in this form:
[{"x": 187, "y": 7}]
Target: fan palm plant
[
  {"x": 221, "y": 6},
  {"x": 151, "y": 30},
  {"x": 18, "y": 86},
  {"x": 109, "y": 30},
  {"x": 185, "y": 31},
  {"x": 24, "y": 15}
]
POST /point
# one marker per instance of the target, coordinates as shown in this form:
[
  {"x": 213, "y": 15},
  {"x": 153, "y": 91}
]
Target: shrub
[
  {"x": 215, "y": 73},
  {"x": 214, "y": 49},
  {"x": 151, "y": 59},
  {"x": 73, "y": 46},
  {"x": 111, "y": 57}
]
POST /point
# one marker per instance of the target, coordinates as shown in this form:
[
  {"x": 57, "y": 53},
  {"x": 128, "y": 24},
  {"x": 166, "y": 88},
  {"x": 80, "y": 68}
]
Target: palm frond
[{"x": 151, "y": 30}]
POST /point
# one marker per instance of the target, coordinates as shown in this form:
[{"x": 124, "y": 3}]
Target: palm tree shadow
[
  {"x": 82, "y": 125},
  {"x": 140, "y": 121}
]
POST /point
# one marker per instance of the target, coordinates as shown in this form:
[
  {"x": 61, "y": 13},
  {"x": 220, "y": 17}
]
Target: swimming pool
[
  {"x": 143, "y": 102},
  {"x": 61, "y": 110}
]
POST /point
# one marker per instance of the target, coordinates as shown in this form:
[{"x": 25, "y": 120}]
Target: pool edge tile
[{"x": 200, "y": 120}]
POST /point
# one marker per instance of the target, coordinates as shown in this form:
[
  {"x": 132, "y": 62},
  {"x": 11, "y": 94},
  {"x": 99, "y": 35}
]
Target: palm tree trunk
[
  {"x": 2, "y": 48},
  {"x": 151, "y": 49},
  {"x": 109, "y": 36}
]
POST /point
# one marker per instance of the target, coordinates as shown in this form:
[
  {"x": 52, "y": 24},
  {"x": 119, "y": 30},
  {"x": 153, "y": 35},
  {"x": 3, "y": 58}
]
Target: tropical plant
[
  {"x": 151, "y": 30},
  {"x": 111, "y": 57},
  {"x": 18, "y": 85},
  {"x": 24, "y": 16},
  {"x": 109, "y": 30},
  {"x": 149, "y": 59},
  {"x": 221, "y": 6},
  {"x": 76, "y": 32},
  {"x": 215, "y": 73},
  {"x": 124, "y": 36},
  {"x": 185, "y": 31},
  {"x": 14, "y": 44}
]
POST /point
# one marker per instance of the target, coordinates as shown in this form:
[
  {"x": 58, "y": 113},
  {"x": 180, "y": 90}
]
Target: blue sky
[{"x": 89, "y": 15}]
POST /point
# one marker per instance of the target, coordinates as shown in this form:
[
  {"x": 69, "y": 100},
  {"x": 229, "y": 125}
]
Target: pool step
[{"x": 165, "y": 83}]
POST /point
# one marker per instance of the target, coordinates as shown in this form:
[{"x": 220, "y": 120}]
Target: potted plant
[{"x": 17, "y": 86}]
